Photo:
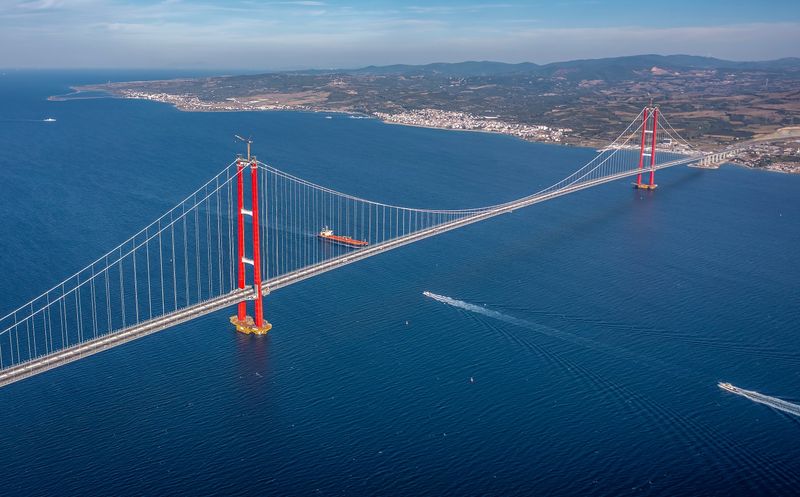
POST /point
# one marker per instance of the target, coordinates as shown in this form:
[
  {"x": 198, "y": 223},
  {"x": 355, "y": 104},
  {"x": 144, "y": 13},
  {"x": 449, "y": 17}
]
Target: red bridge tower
[
  {"x": 244, "y": 323},
  {"x": 649, "y": 115}
]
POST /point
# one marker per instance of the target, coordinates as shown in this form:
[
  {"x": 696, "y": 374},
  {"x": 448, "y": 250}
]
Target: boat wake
[
  {"x": 477, "y": 309},
  {"x": 12, "y": 120},
  {"x": 562, "y": 335},
  {"x": 773, "y": 402},
  {"x": 725, "y": 451}
]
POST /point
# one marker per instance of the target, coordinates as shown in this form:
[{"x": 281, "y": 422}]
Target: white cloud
[
  {"x": 40, "y": 4},
  {"x": 280, "y": 34},
  {"x": 452, "y": 9}
]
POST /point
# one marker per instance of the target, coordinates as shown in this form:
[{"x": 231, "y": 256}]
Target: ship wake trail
[
  {"x": 772, "y": 402},
  {"x": 727, "y": 452},
  {"x": 477, "y": 309},
  {"x": 562, "y": 335}
]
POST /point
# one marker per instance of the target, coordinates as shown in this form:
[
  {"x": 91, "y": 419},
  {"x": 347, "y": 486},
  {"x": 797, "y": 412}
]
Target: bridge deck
[{"x": 105, "y": 342}]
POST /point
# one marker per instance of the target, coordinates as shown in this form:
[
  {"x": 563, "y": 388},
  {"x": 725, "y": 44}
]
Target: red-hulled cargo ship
[{"x": 327, "y": 234}]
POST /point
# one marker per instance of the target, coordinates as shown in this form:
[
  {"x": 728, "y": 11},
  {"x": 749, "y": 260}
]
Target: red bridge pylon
[
  {"x": 244, "y": 323},
  {"x": 649, "y": 115}
]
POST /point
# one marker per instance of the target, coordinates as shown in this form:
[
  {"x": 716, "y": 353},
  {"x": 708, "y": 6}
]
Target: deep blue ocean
[{"x": 604, "y": 320}]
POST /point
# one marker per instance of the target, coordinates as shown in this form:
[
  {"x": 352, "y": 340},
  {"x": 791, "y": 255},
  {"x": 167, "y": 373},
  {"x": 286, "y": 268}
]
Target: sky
[{"x": 294, "y": 34}]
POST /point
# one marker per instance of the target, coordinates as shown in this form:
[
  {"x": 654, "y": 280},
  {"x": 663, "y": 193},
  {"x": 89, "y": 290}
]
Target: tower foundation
[{"x": 248, "y": 326}]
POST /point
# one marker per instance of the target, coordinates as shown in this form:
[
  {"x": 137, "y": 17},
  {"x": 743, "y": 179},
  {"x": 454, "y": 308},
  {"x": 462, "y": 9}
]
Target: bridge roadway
[{"x": 89, "y": 347}]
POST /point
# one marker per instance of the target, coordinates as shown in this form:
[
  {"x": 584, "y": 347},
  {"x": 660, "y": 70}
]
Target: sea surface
[{"x": 575, "y": 348}]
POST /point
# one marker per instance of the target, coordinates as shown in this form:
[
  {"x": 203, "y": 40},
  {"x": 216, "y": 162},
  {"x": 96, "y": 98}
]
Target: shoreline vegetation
[
  {"x": 423, "y": 118},
  {"x": 706, "y": 106}
]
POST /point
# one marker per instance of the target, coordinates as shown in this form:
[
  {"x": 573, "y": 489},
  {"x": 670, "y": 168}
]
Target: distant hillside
[
  {"x": 714, "y": 100},
  {"x": 457, "y": 69},
  {"x": 608, "y": 69}
]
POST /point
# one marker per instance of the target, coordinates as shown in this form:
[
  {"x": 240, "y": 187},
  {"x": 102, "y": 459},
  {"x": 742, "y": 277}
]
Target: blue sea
[{"x": 577, "y": 351}]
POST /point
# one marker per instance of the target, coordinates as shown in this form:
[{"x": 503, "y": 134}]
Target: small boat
[
  {"x": 327, "y": 234},
  {"x": 727, "y": 386},
  {"x": 50, "y": 120}
]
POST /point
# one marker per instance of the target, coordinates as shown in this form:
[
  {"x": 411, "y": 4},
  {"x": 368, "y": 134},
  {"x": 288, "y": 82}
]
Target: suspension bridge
[{"x": 237, "y": 239}]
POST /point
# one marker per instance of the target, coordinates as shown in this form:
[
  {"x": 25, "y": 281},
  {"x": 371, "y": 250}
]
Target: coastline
[
  {"x": 183, "y": 106},
  {"x": 76, "y": 92},
  {"x": 235, "y": 106},
  {"x": 586, "y": 144}
]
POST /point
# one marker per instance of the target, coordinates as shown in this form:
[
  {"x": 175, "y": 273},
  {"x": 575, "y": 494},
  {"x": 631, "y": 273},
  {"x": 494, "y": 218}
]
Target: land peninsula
[{"x": 710, "y": 102}]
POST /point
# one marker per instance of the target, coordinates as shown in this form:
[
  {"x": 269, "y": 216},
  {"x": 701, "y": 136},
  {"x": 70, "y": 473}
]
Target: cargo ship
[{"x": 327, "y": 234}]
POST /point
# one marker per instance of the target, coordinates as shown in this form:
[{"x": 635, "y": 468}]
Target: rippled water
[{"x": 608, "y": 317}]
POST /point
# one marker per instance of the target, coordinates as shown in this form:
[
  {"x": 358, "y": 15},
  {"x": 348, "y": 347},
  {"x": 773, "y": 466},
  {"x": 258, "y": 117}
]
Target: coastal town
[
  {"x": 778, "y": 157},
  {"x": 192, "y": 103},
  {"x": 433, "y": 118}
]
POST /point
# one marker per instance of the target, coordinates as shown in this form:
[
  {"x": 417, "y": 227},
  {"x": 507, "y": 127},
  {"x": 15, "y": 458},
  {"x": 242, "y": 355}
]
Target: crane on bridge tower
[
  {"x": 649, "y": 114},
  {"x": 248, "y": 141},
  {"x": 256, "y": 324}
]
